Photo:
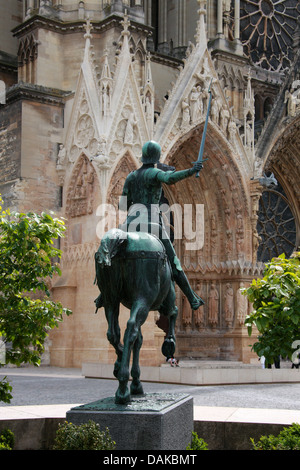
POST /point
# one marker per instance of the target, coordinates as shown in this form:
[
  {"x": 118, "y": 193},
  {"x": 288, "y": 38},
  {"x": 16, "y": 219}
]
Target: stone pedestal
[{"x": 155, "y": 421}]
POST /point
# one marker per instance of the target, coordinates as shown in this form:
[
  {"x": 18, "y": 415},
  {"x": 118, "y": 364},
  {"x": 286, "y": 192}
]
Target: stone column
[
  {"x": 181, "y": 31},
  {"x": 162, "y": 27},
  {"x": 148, "y": 12},
  {"x": 30, "y": 8},
  {"x": 237, "y": 19},
  {"x": 255, "y": 194},
  {"x": 220, "y": 19}
]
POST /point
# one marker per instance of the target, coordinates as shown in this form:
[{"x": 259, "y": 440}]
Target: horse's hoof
[
  {"x": 136, "y": 388},
  {"x": 122, "y": 398},
  {"x": 168, "y": 347}
]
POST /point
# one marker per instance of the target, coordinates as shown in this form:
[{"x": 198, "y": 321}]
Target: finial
[
  {"x": 125, "y": 23},
  {"x": 88, "y": 27}
]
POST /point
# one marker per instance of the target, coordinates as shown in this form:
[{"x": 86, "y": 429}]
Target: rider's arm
[{"x": 172, "y": 177}]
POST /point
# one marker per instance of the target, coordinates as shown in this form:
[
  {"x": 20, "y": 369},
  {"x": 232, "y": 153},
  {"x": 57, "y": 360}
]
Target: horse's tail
[{"x": 110, "y": 245}]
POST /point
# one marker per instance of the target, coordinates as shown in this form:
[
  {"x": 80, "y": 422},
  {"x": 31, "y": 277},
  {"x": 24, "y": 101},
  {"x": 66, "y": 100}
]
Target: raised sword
[{"x": 200, "y": 155}]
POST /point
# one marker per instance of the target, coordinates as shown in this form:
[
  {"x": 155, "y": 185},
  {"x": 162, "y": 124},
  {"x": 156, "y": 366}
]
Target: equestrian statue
[{"x": 136, "y": 265}]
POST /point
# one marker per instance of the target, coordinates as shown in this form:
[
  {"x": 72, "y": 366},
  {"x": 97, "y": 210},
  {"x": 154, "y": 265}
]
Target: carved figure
[
  {"x": 213, "y": 306},
  {"x": 61, "y": 156},
  {"x": 229, "y": 305}
]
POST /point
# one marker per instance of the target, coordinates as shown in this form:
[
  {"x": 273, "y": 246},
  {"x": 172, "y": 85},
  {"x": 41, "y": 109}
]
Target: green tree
[
  {"x": 27, "y": 263},
  {"x": 276, "y": 308}
]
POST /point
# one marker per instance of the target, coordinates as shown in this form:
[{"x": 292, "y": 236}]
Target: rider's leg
[{"x": 180, "y": 277}]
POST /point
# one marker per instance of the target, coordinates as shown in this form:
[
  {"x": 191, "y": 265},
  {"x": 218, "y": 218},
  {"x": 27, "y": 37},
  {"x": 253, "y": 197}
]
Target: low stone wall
[
  {"x": 200, "y": 376},
  {"x": 233, "y": 436},
  {"x": 32, "y": 434},
  {"x": 39, "y": 434}
]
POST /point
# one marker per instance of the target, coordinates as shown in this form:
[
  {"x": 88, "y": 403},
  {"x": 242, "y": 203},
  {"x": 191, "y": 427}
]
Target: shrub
[
  {"x": 197, "y": 443},
  {"x": 287, "y": 439},
  {"x": 276, "y": 308},
  {"x": 7, "y": 440},
  {"x": 86, "y": 436}
]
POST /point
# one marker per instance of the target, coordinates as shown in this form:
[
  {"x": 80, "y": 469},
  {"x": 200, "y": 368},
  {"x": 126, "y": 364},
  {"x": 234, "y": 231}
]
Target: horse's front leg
[
  {"x": 171, "y": 311},
  {"x": 136, "y": 387},
  {"x": 138, "y": 315}
]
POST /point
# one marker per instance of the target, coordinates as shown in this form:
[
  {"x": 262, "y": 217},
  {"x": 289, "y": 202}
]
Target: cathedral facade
[{"x": 86, "y": 84}]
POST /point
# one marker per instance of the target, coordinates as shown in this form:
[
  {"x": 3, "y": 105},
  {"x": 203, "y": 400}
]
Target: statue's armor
[
  {"x": 143, "y": 190},
  {"x": 144, "y": 186}
]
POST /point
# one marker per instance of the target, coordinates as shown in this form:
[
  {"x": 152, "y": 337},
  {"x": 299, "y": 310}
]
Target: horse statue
[{"x": 132, "y": 268}]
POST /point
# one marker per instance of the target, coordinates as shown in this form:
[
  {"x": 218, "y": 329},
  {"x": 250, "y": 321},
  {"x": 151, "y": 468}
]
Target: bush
[
  {"x": 197, "y": 443},
  {"x": 7, "y": 440},
  {"x": 276, "y": 308},
  {"x": 86, "y": 436},
  {"x": 287, "y": 439}
]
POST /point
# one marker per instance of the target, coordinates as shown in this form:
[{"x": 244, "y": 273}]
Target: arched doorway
[{"x": 218, "y": 268}]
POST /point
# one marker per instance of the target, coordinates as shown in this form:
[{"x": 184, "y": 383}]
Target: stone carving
[
  {"x": 213, "y": 306},
  {"x": 229, "y": 305},
  {"x": 242, "y": 306},
  {"x": 84, "y": 131},
  {"x": 196, "y": 103},
  {"x": 61, "y": 157},
  {"x": 214, "y": 112},
  {"x": 101, "y": 158},
  {"x": 213, "y": 235},
  {"x": 80, "y": 195},
  {"x": 292, "y": 98},
  {"x": 186, "y": 117},
  {"x": 224, "y": 118},
  {"x": 105, "y": 85},
  {"x": 186, "y": 313},
  {"x": 199, "y": 314},
  {"x": 129, "y": 130}
]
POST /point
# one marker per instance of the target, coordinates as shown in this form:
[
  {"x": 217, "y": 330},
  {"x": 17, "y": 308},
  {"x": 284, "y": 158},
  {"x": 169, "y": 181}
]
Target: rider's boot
[
  {"x": 180, "y": 277},
  {"x": 99, "y": 302},
  {"x": 182, "y": 282}
]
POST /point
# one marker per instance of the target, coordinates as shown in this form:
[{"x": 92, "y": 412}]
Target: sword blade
[{"x": 201, "y": 150}]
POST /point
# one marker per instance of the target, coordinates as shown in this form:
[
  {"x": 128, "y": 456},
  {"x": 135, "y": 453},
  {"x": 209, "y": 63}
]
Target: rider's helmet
[{"x": 151, "y": 152}]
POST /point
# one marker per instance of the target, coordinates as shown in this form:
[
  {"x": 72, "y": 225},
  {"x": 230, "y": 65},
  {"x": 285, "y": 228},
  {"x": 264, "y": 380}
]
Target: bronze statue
[{"x": 138, "y": 269}]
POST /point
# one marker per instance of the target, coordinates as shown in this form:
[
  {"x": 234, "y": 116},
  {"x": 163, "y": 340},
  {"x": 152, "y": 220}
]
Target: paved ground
[
  {"x": 48, "y": 391},
  {"x": 51, "y": 385}
]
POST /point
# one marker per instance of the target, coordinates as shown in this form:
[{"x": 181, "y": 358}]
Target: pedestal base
[{"x": 155, "y": 421}]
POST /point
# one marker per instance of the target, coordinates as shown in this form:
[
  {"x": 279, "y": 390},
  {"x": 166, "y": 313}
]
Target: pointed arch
[
  {"x": 223, "y": 192},
  {"x": 123, "y": 167}
]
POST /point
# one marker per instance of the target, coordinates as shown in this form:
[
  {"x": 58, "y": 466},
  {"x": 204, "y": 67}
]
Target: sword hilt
[{"x": 204, "y": 160}]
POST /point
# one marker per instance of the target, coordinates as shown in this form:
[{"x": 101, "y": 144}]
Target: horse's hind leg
[
  {"x": 138, "y": 315},
  {"x": 136, "y": 386}
]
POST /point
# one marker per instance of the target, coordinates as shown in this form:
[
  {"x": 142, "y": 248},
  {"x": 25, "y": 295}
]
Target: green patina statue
[{"x": 136, "y": 265}]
